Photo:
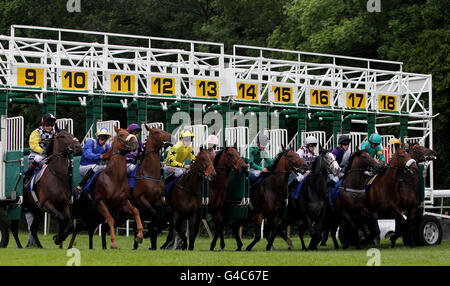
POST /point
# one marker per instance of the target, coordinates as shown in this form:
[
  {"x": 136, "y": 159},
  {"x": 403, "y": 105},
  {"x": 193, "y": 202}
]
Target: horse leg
[
  {"x": 169, "y": 237},
  {"x": 399, "y": 223},
  {"x": 79, "y": 226},
  {"x": 217, "y": 223},
  {"x": 221, "y": 228},
  {"x": 411, "y": 224},
  {"x": 14, "y": 226},
  {"x": 194, "y": 225},
  {"x": 103, "y": 209},
  {"x": 34, "y": 227},
  {"x": 333, "y": 230},
  {"x": 69, "y": 223},
  {"x": 129, "y": 208},
  {"x": 281, "y": 232},
  {"x": 61, "y": 219},
  {"x": 258, "y": 221},
  {"x": 272, "y": 224},
  {"x": 235, "y": 228},
  {"x": 301, "y": 232},
  {"x": 103, "y": 234}
]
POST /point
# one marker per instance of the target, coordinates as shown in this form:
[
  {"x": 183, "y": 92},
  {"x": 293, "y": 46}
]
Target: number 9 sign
[{"x": 30, "y": 77}]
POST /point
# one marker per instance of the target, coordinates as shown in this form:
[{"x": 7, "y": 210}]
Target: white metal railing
[
  {"x": 14, "y": 134},
  {"x": 240, "y": 136},
  {"x": 65, "y": 123},
  {"x": 144, "y": 133}
]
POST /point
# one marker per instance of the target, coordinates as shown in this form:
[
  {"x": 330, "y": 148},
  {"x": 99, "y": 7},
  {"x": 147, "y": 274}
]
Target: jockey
[
  {"x": 178, "y": 153},
  {"x": 213, "y": 141},
  {"x": 342, "y": 154},
  {"x": 257, "y": 155},
  {"x": 373, "y": 147},
  {"x": 93, "y": 153},
  {"x": 307, "y": 153},
  {"x": 40, "y": 139},
  {"x": 133, "y": 157},
  {"x": 393, "y": 145}
]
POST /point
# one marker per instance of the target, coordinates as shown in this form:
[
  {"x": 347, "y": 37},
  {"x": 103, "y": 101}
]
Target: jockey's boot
[
  {"x": 29, "y": 174},
  {"x": 83, "y": 182}
]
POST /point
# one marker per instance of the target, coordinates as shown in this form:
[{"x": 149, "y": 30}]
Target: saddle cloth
[
  {"x": 87, "y": 188},
  {"x": 37, "y": 175}
]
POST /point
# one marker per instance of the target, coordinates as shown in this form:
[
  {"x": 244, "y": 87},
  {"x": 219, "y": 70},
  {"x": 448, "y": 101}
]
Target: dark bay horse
[
  {"x": 268, "y": 196},
  {"x": 111, "y": 189},
  {"x": 384, "y": 197},
  {"x": 349, "y": 207},
  {"x": 52, "y": 191},
  {"x": 185, "y": 199},
  {"x": 409, "y": 192},
  {"x": 310, "y": 206},
  {"x": 225, "y": 161},
  {"x": 148, "y": 192}
]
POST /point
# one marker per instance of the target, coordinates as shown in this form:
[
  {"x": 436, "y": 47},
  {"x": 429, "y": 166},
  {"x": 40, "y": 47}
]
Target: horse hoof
[
  {"x": 114, "y": 247},
  {"x": 138, "y": 239}
]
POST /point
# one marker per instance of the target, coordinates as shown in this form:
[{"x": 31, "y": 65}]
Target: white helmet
[
  {"x": 212, "y": 139},
  {"x": 311, "y": 140}
]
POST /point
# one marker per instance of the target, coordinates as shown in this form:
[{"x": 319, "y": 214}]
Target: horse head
[
  {"x": 158, "y": 137},
  {"x": 328, "y": 162},
  {"x": 294, "y": 162},
  {"x": 421, "y": 153},
  {"x": 362, "y": 161},
  {"x": 233, "y": 160},
  {"x": 66, "y": 143},
  {"x": 124, "y": 141},
  {"x": 203, "y": 165},
  {"x": 402, "y": 160}
]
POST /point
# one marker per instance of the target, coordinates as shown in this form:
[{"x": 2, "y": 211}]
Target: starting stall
[{"x": 287, "y": 95}]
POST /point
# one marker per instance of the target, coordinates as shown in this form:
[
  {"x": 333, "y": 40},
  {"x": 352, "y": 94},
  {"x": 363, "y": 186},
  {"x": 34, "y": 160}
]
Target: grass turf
[{"x": 51, "y": 255}]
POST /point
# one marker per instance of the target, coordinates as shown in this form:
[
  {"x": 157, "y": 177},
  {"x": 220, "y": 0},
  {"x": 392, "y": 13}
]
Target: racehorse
[
  {"x": 310, "y": 204},
  {"x": 267, "y": 197},
  {"x": 111, "y": 189},
  {"x": 384, "y": 197},
  {"x": 185, "y": 199},
  {"x": 148, "y": 191},
  {"x": 52, "y": 192},
  {"x": 349, "y": 207},
  {"x": 225, "y": 161},
  {"x": 409, "y": 191}
]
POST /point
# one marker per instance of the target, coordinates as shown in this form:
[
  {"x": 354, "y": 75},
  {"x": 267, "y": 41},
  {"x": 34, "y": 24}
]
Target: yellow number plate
[
  {"x": 356, "y": 99},
  {"x": 319, "y": 97},
  {"x": 283, "y": 94},
  {"x": 207, "y": 88},
  {"x": 30, "y": 77},
  {"x": 387, "y": 102},
  {"x": 74, "y": 80},
  {"x": 163, "y": 85},
  {"x": 247, "y": 91},
  {"x": 123, "y": 83}
]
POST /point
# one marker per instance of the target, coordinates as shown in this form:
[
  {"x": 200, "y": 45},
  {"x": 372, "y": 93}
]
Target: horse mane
[
  {"x": 352, "y": 157},
  {"x": 272, "y": 167},
  {"x": 218, "y": 155}
]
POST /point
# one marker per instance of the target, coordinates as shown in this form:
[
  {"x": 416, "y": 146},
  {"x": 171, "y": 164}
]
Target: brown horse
[
  {"x": 384, "y": 197},
  {"x": 268, "y": 196},
  {"x": 349, "y": 206},
  {"x": 111, "y": 188},
  {"x": 409, "y": 196},
  {"x": 225, "y": 161},
  {"x": 52, "y": 192},
  {"x": 185, "y": 199},
  {"x": 149, "y": 186}
]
